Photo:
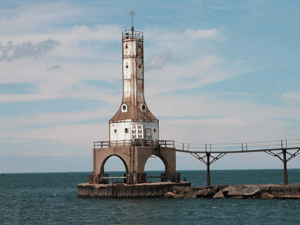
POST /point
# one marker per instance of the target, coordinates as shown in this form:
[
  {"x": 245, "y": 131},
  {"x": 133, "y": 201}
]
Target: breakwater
[{"x": 255, "y": 191}]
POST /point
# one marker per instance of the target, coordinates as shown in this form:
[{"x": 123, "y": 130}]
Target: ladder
[
  {"x": 114, "y": 191},
  {"x": 131, "y": 166}
]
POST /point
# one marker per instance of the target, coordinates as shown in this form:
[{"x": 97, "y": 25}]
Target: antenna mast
[{"x": 132, "y": 13}]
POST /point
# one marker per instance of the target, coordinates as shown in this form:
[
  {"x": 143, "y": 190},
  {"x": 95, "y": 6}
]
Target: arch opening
[
  {"x": 114, "y": 166},
  {"x": 155, "y": 166}
]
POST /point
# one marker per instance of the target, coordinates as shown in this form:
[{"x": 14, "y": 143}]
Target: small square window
[
  {"x": 115, "y": 130},
  {"x": 126, "y": 130}
]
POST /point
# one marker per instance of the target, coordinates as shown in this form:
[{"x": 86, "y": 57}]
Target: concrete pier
[{"x": 122, "y": 190}]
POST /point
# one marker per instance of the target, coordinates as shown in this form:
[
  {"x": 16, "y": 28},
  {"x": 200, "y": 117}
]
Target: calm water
[{"x": 50, "y": 198}]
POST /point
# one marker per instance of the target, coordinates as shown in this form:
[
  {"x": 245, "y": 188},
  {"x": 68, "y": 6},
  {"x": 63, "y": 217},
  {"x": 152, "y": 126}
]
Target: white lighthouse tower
[{"x": 133, "y": 122}]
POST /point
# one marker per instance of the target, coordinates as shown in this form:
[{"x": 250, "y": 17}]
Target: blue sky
[{"x": 216, "y": 72}]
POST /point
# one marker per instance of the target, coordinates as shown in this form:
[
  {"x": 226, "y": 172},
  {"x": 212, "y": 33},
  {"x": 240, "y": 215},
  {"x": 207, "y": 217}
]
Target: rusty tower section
[{"x": 133, "y": 121}]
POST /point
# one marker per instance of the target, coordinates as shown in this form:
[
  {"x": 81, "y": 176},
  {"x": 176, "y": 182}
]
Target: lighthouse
[
  {"x": 133, "y": 132},
  {"x": 133, "y": 122}
]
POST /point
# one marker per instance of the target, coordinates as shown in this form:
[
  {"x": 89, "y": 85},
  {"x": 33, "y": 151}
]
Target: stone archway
[
  {"x": 134, "y": 159},
  {"x": 105, "y": 160}
]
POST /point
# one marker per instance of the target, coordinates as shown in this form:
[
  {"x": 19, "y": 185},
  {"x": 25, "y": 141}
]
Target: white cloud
[
  {"x": 12, "y": 51},
  {"x": 227, "y": 120},
  {"x": 292, "y": 96},
  {"x": 29, "y": 17},
  {"x": 157, "y": 61},
  {"x": 202, "y": 34}
]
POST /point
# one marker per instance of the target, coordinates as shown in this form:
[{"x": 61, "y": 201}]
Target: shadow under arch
[{"x": 105, "y": 160}]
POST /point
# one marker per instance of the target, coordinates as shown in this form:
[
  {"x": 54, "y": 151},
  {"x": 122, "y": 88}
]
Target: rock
[
  {"x": 172, "y": 195},
  {"x": 295, "y": 189},
  {"x": 279, "y": 188},
  {"x": 218, "y": 188},
  {"x": 251, "y": 190},
  {"x": 232, "y": 191},
  {"x": 219, "y": 195},
  {"x": 206, "y": 193},
  {"x": 190, "y": 194},
  {"x": 266, "y": 196},
  {"x": 287, "y": 196},
  {"x": 265, "y": 188},
  {"x": 178, "y": 190},
  {"x": 264, "y": 191}
]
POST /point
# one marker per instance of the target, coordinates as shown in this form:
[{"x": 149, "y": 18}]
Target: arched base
[{"x": 134, "y": 159}]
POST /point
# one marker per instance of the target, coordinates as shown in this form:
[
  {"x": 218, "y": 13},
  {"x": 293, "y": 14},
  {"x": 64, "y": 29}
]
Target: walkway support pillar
[
  {"x": 208, "y": 169},
  {"x": 285, "y": 176}
]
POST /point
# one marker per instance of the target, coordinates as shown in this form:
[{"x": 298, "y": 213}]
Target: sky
[{"x": 215, "y": 72}]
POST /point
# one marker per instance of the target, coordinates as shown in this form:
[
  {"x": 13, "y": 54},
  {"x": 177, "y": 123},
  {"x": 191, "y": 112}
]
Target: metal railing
[
  {"x": 137, "y": 142},
  {"x": 238, "y": 147},
  {"x": 194, "y": 147},
  {"x": 126, "y": 34}
]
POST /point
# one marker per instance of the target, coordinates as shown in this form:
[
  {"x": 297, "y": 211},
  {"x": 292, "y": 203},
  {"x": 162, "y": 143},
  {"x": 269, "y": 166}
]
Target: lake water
[{"x": 51, "y": 198}]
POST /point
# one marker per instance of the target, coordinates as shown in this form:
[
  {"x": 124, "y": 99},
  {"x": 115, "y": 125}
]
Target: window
[
  {"x": 124, "y": 108},
  {"x": 126, "y": 130},
  {"x": 154, "y": 130},
  {"x": 115, "y": 130},
  {"x": 126, "y": 66},
  {"x": 126, "y": 46},
  {"x": 143, "y": 108}
]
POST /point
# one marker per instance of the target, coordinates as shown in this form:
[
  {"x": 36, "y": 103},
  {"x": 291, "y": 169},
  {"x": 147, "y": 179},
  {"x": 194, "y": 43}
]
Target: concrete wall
[{"x": 127, "y": 191}]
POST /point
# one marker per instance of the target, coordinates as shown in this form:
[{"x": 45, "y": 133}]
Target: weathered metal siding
[
  {"x": 133, "y": 110},
  {"x": 133, "y": 71}
]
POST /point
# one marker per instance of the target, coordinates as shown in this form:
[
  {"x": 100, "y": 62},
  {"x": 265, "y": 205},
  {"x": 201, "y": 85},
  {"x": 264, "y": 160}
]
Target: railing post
[
  {"x": 285, "y": 176},
  {"x": 208, "y": 169}
]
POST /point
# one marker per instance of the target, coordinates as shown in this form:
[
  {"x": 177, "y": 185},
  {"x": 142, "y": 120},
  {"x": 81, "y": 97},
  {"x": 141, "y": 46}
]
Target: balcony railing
[
  {"x": 126, "y": 34},
  {"x": 137, "y": 142}
]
